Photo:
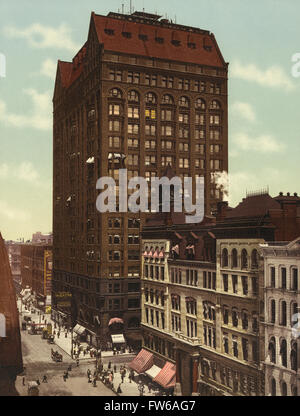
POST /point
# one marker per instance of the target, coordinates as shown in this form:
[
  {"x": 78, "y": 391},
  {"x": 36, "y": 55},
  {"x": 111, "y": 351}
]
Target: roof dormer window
[
  {"x": 143, "y": 37},
  {"x": 159, "y": 40},
  {"x": 126, "y": 35},
  {"x": 176, "y": 42},
  {"x": 109, "y": 32}
]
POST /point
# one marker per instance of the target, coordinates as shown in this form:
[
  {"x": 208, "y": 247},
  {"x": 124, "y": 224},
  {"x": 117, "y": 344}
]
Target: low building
[
  {"x": 36, "y": 269},
  {"x": 282, "y": 313}
]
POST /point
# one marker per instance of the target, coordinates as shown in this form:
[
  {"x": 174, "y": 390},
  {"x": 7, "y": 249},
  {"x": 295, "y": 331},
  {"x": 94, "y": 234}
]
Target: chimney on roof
[{"x": 221, "y": 210}]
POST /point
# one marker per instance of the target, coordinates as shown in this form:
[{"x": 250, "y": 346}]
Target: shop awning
[
  {"x": 153, "y": 371},
  {"x": 118, "y": 339},
  {"x": 142, "y": 362},
  {"x": 115, "y": 321},
  {"x": 27, "y": 297},
  {"x": 167, "y": 376},
  {"x": 79, "y": 330}
]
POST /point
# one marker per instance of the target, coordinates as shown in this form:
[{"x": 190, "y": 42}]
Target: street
[{"x": 38, "y": 363}]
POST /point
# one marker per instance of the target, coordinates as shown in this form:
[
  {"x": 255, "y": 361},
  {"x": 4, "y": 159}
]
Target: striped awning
[
  {"x": 176, "y": 249},
  {"x": 162, "y": 254},
  {"x": 167, "y": 376},
  {"x": 156, "y": 254},
  {"x": 115, "y": 321},
  {"x": 142, "y": 362}
]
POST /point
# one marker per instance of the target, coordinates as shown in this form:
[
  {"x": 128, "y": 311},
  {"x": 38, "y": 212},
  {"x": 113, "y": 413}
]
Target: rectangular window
[
  {"x": 167, "y": 130},
  {"x": 166, "y": 115},
  {"x": 133, "y": 128},
  {"x": 133, "y": 112},
  {"x": 272, "y": 272},
  {"x": 150, "y": 129},
  {"x": 225, "y": 282}
]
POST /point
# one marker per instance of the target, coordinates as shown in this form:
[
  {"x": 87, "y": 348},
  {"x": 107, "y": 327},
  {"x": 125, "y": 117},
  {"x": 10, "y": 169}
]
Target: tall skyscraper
[{"x": 142, "y": 93}]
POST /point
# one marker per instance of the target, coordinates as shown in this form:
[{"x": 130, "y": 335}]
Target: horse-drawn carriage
[{"x": 56, "y": 356}]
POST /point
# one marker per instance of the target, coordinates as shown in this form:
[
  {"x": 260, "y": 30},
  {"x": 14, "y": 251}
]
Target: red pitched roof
[
  {"x": 253, "y": 206},
  {"x": 150, "y": 48}
]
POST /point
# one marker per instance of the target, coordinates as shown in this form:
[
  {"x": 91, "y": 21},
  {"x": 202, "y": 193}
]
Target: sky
[{"x": 257, "y": 38}]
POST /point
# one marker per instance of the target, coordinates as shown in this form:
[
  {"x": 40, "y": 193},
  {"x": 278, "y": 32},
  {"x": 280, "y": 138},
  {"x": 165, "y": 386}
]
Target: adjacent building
[
  {"x": 36, "y": 270},
  {"x": 142, "y": 93},
  {"x": 203, "y": 294},
  {"x": 282, "y": 323},
  {"x": 14, "y": 256},
  {"x": 11, "y": 363}
]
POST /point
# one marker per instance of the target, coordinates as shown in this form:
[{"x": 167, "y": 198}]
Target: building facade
[
  {"x": 36, "y": 270},
  {"x": 142, "y": 93},
  {"x": 212, "y": 298},
  {"x": 11, "y": 363},
  {"x": 282, "y": 332},
  {"x": 14, "y": 256}
]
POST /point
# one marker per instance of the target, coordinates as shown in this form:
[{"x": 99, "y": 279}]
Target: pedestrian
[
  {"x": 23, "y": 381},
  {"x": 45, "y": 380},
  {"x": 149, "y": 388},
  {"x": 109, "y": 365},
  {"x": 88, "y": 372},
  {"x": 54, "y": 333},
  {"x": 122, "y": 377},
  {"x": 70, "y": 368},
  {"x": 119, "y": 391},
  {"x": 64, "y": 377},
  {"x": 84, "y": 352},
  {"x": 66, "y": 335},
  {"x": 38, "y": 382},
  {"x": 58, "y": 334},
  {"x": 77, "y": 362},
  {"x": 115, "y": 368}
]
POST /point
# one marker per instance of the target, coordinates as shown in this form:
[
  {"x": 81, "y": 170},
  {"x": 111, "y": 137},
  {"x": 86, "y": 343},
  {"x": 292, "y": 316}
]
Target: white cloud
[
  {"x": 244, "y": 110},
  {"x": 9, "y": 213},
  {"x": 48, "y": 68},
  {"x": 262, "y": 144},
  {"x": 41, "y": 37},
  {"x": 23, "y": 172},
  {"x": 273, "y": 77},
  {"x": 40, "y": 118}
]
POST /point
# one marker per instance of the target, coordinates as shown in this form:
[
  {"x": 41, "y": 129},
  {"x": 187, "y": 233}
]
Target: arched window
[
  {"x": 244, "y": 259},
  {"x": 273, "y": 311},
  {"x": 254, "y": 259},
  {"x": 283, "y": 320},
  {"x": 115, "y": 93},
  {"x": 184, "y": 102},
  {"x": 133, "y": 96},
  {"x": 200, "y": 104},
  {"x": 224, "y": 257},
  {"x": 273, "y": 387},
  {"x": 294, "y": 363},
  {"x": 283, "y": 352},
  {"x": 150, "y": 98},
  {"x": 168, "y": 99},
  {"x": 215, "y": 105},
  {"x": 283, "y": 388},
  {"x": 234, "y": 258},
  {"x": 272, "y": 350}
]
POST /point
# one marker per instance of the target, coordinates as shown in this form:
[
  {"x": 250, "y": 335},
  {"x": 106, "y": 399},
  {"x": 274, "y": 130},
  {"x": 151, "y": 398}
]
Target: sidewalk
[{"x": 65, "y": 343}]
